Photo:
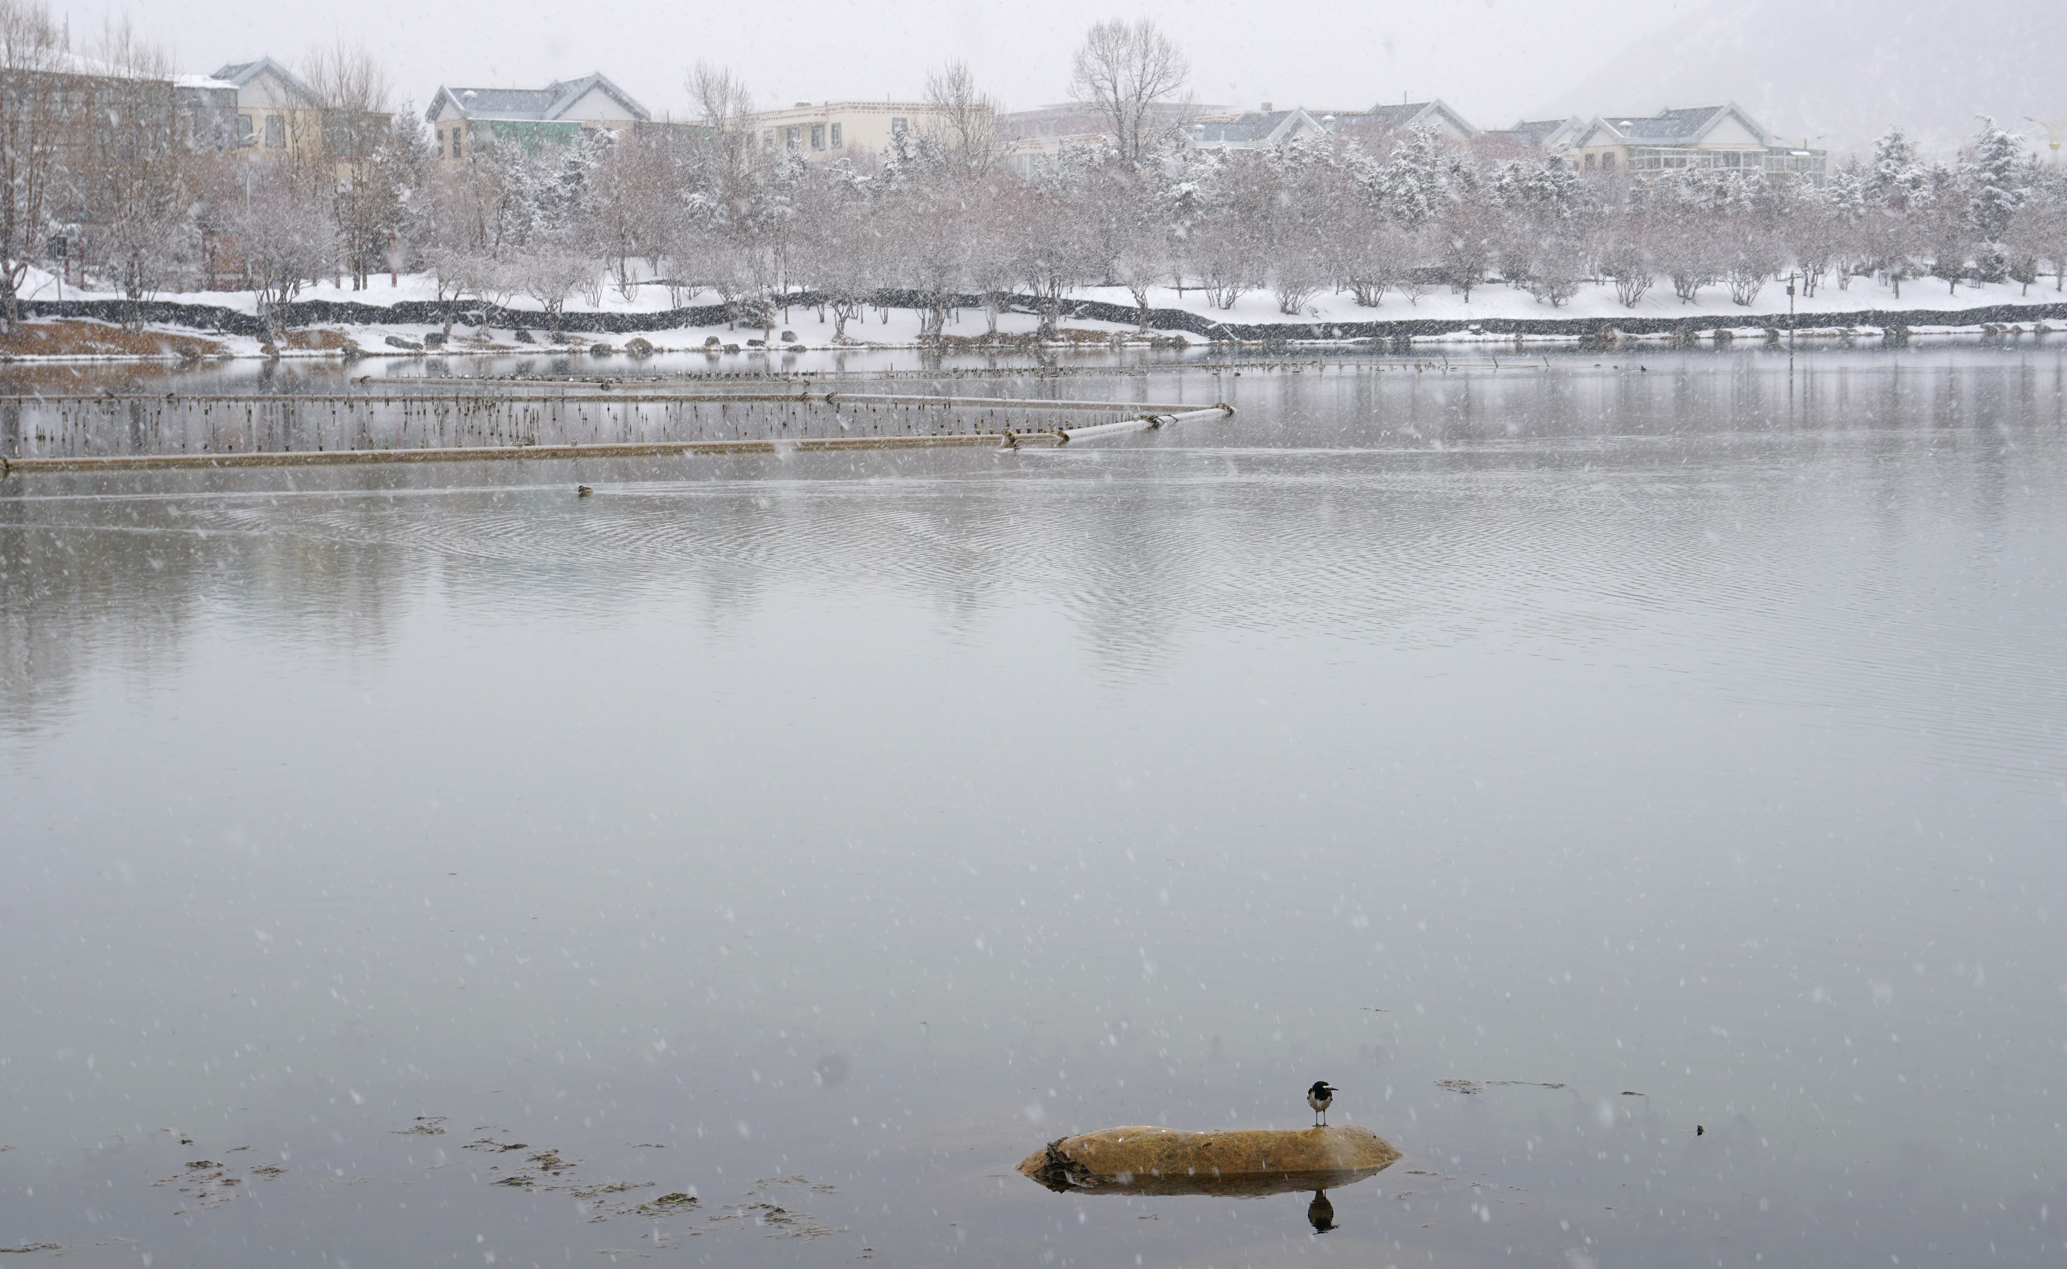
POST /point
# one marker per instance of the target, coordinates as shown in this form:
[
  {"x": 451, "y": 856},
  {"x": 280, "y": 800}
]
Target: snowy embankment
[{"x": 388, "y": 317}]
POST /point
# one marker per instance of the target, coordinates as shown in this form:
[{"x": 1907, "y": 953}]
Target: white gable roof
[
  {"x": 590, "y": 98},
  {"x": 1726, "y": 124},
  {"x": 266, "y": 83}
]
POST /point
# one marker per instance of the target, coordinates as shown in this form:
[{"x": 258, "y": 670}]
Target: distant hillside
[{"x": 1846, "y": 69}]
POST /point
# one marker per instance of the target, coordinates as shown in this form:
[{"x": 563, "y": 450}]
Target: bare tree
[
  {"x": 1557, "y": 269},
  {"x": 1052, "y": 255},
  {"x": 1131, "y": 74},
  {"x": 283, "y": 234},
  {"x": 992, "y": 245},
  {"x": 730, "y": 154},
  {"x": 966, "y": 127},
  {"x": 140, "y": 172},
  {"x": 552, "y": 268},
  {"x": 1625, "y": 258},
  {"x": 839, "y": 246},
  {"x": 632, "y": 199},
  {"x": 347, "y": 79},
  {"x": 1374, "y": 253},
  {"x": 449, "y": 213},
  {"x": 32, "y": 50},
  {"x": 351, "y": 149},
  {"x": 1683, "y": 243},
  {"x": 1222, "y": 252}
]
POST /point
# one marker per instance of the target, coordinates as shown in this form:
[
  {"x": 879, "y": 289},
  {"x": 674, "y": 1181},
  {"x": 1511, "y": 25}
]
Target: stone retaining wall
[{"x": 213, "y": 319}]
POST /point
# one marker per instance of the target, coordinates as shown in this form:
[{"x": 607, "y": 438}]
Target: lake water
[{"x": 1637, "y": 780}]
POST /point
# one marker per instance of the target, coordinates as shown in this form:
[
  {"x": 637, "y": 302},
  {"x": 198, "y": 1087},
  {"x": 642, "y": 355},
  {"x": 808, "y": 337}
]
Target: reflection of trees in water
[
  {"x": 1632, "y": 392},
  {"x": 112, "y": 584},
  {"x": 1129, "y": 544},
  {"x": 1123, "y": 555}
]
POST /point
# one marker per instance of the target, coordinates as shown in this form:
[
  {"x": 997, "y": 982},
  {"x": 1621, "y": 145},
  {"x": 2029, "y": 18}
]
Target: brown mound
[
  {"x": 78, "y": 338},
  {"x": 317, "y": 340},
  {"x": 1144, "y": 1160}
]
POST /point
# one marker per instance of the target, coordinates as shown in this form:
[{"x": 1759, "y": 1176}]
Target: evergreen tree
[
  {"x": 1992, "y": 174},
  {"x": 1898, "y": 180}
]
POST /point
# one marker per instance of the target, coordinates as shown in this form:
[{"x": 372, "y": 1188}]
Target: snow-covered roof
[
  {"x": 1671, "y": 127},
  {"x": 531, "y": 104},
  {"x": 241, "y": 74},
  {"x": 1406, "y": 115},
  {"x": 1540, "y": 133},
  {"x": 1254, "y": 130}
]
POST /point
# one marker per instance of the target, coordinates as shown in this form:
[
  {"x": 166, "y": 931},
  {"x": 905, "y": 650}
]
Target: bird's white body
[{"x": 1320, "y": 1097}]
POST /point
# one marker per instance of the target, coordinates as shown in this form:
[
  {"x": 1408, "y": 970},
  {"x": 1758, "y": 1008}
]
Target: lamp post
[{"x": 1791, "y": 278}]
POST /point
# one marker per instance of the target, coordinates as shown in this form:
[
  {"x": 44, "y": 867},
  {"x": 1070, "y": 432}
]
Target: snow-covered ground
[{"x": 1593, "y": 304}]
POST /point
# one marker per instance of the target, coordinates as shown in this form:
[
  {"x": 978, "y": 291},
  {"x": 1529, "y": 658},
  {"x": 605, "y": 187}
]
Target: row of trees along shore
[{"x": 703, "y": 208}]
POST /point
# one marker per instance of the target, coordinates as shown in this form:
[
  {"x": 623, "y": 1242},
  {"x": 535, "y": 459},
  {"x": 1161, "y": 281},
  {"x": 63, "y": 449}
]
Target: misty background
[{"x": 1834, "y": 73}]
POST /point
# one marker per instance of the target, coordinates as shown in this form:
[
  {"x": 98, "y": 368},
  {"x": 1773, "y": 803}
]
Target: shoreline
[{"x": 326, "y": 329}]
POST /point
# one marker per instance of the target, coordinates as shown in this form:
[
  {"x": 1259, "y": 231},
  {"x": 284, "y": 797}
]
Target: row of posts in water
[{"x": 173, "y": 424}]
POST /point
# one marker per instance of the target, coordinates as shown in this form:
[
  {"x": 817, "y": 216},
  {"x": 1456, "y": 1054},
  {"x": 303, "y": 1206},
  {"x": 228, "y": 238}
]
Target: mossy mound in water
[{"x": 1144, "y": 1160}]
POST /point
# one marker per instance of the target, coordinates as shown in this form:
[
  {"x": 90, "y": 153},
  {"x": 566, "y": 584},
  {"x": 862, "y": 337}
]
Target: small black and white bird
[{"x": 1320, "y": 1097}]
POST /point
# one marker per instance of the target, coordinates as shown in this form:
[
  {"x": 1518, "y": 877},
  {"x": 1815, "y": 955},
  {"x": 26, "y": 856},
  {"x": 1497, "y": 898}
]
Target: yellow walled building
[
  {"x": 844, "y": 129},
  {"x": 277, "y": 114}
]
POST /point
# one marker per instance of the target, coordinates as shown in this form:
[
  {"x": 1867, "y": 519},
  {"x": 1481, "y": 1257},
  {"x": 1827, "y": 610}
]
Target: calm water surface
[{"x": 1638, "y": 786}]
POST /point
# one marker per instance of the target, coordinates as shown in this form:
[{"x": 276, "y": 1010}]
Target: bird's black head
[{"x": 1321, "y": 1088}]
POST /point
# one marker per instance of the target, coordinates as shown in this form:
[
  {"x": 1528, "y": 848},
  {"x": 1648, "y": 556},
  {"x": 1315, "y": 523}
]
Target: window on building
[
  {"x": 768, "y": 139},
  {"x": 897, "y": 126},
  {"x": 795, "y": 139},
  {"x": 456, "y": 134},
  {"x": 1589, "y": 162},
  {"x": 1608, "y": 159},
  {"x": 246, "y": 135},
  {"x": 276, "y": 132},
  {"x": 836, "y": 136},
  {"x": 818, "y": 136}
]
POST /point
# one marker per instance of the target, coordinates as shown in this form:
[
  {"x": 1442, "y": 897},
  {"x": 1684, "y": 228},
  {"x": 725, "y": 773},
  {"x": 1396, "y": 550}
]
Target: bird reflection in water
[{"x": 1321, "y": 1212}]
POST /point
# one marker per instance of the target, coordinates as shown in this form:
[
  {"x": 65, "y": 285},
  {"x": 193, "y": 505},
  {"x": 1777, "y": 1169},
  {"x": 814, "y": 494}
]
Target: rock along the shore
[{"x": 1148, "y": 1160}]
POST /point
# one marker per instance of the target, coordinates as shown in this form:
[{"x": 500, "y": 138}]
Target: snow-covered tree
[
  {"x": 1468, "y": 234},
  {"x": 2038, "y": 230},
  {"x": 1992, "y": 175},
  {"x": 1411, "y": 184},
  {"x": 1898, "y": 180}
]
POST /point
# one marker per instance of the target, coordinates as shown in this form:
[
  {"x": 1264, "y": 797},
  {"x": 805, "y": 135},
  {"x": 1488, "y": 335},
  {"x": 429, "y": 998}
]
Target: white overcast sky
[{"x": 1495, "y": 60}]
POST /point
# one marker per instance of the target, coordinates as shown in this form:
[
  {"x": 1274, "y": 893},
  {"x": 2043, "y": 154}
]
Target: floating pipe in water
[{"x": 1146, "y": 422}]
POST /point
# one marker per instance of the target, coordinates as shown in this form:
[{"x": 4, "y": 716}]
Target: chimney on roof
[{"x": 1266, "y": 107}]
